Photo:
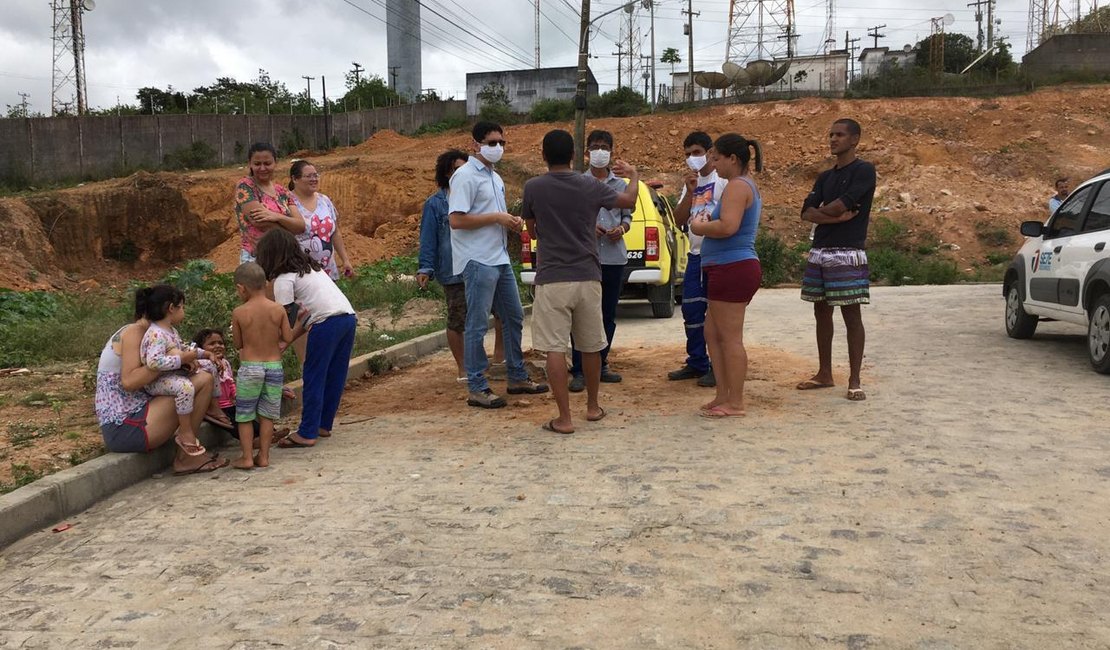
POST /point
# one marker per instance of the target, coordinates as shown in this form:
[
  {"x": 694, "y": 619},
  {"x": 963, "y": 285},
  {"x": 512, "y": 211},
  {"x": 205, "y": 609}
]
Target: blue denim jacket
[{"x": 435, "y": 240}]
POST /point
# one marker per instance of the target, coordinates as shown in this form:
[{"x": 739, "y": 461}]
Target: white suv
[{"x": 1062, "y": 272}]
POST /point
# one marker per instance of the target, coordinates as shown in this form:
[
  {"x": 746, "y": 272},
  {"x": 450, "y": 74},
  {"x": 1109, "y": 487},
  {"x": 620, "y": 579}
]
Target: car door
[
  {"x": 1050, "y": 288},
  {"x": 1084, "y": 249}
]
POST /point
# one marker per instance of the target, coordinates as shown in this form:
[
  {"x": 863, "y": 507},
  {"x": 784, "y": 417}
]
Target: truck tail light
[
  {"x": 651, "y": 244},
  {"x": 525, "y": 247}
]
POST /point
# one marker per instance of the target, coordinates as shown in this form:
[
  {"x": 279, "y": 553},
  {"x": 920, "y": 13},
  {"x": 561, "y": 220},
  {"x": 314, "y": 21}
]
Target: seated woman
[{"x": 132, "y": 420}]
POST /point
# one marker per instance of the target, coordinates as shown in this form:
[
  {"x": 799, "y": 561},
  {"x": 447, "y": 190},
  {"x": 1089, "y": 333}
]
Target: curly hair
[
  {"x": 445, "y": 166},
  {"x": 278, "y": 252}
]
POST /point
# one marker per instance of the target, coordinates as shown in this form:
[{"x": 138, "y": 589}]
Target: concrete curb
[{"x": 69, "y": 492}]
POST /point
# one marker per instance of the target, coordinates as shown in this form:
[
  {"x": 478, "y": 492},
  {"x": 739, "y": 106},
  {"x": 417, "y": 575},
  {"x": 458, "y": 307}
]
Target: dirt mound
[{"x": 958, "y": 171}]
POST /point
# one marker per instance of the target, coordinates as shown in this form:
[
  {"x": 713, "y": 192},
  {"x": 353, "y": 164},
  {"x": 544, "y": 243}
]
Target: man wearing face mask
[
  {"x": 480, "y": 222},
  {"x": 701, "y": 193},
  {"x": 612, "y": 224}
]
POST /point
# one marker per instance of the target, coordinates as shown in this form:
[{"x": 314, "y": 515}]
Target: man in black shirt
[{"x": 836, "y": 273}]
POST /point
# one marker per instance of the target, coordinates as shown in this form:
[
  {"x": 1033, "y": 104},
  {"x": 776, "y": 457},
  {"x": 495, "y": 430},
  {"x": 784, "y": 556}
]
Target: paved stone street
[{"x": 963, "y": 505}]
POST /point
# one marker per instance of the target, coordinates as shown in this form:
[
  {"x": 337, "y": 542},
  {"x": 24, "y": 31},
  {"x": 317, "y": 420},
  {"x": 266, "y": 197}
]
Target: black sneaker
[
  {"x": 685, "y": 372},
  {"x": 708, "y": 380},
  {"x": 577, "y": 383},
  {"x": 610, "y": 377},
  {"x": 486, "y": 399}
]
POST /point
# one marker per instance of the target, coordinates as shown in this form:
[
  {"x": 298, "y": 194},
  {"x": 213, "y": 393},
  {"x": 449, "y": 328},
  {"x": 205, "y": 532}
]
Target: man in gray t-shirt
[
  {"x": 560, "y": 209},
  {"x": 612, "y": 225}
]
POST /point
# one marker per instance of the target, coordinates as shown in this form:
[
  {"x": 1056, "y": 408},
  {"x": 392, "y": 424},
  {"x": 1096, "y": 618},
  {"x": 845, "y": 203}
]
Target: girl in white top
[{"x": 308, "y": 293}]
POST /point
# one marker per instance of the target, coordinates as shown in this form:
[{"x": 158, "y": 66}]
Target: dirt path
[{"x": 960, "y": 506}]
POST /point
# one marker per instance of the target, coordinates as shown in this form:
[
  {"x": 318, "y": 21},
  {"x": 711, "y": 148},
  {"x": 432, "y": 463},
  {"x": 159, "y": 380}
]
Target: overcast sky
[{"x": 136, "y": 43}]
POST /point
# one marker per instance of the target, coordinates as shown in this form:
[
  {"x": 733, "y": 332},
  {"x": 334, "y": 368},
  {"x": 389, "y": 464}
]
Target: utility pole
[
  {"x": 23, "y": 104},
  {"x": 358, "y": 73},
  {"x": 620, "y": 62},
  {"x": 850, "y": 47},
  {"x": 690, "y": 13},
  {"x": 308, "y": 91},
  {"x": 631, "y": 53},
  {"x": 654, "y": 88},
  {"x": 580, "y": 90},
  {"x": 990, "y": 22},
  {"x": 978, "y": 22},
  {"x": 537, "y": 34},
  {"x": 873, "y": 32},
  {"x": 393, "y": 77}
]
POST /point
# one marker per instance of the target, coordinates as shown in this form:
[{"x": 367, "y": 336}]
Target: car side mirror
[{"x": 1032, "y": 228}]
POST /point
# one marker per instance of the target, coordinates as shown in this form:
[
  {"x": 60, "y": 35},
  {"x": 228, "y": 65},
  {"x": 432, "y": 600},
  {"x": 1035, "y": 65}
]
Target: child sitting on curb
[{"x": 259, "y": 328}]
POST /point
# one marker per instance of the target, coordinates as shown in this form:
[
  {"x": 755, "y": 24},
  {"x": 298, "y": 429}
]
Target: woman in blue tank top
[{"x": 731, "y": 269}]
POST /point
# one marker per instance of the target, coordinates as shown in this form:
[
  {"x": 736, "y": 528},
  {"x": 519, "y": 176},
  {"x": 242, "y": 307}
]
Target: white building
[
  {"x": 872, "y": 60},
  {"x": 826, "y": 73},
  {"x": 680, "y": 88}
]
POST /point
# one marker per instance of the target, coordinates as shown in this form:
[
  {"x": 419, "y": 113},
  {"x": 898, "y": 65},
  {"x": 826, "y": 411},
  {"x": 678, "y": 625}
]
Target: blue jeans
[
  {"x": 325, "y": 373},
  {"x": 491, "y": 288},
  {"x": 694, "y": 306},
  {"x": 612, "y": 283}
]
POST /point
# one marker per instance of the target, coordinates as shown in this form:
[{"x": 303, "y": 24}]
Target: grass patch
[
  {"x": 22, "y": 474},
  {"x": 22, "y": 434},
  {"x": 993, "y": 235}
]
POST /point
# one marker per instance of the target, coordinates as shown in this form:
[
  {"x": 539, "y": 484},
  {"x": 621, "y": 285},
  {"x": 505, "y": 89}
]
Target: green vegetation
[
  {"x": 494, "y": 104},
  {"x": 198, "y": 155},
  {"x": 552, "y": 110},
  {"x": 621, "y": 102},
  {"x": 38, "y": 327},
  {"x": 443, "y": 126}
]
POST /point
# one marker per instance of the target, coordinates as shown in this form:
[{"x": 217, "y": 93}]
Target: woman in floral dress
[{"x": 262, "y": 204}]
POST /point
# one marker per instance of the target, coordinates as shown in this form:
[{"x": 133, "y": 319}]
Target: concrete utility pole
[
  {"x": 23, "y": 103},
  {"x": 978, "y": 22},
  {"x": 990, "y": 22},
  {"x": 873, "y": 32},
  {"x": 393, "y": 77},
  {"x": 654, "y": 88},
  {"x": 620, "y": 62},
  {"x": 537, "y": 34},
  {"x": 580, "y": 90},
  {"x": 850, "y": 47},
  {"x": 358, "y": 73},
  {"x": 631, "y": 53},
  {"x": 308, "y": 91},
  {"x": 690, "y": 13}
]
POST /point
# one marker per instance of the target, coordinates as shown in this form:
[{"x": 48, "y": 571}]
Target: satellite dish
[
  {"x": 88, "y": 5},
  {"x": 731, "y": 70},
  {"x": 949, "y": 19},
  {"x": 712, "y": 80},
  {"x": 907, "y": 48}
]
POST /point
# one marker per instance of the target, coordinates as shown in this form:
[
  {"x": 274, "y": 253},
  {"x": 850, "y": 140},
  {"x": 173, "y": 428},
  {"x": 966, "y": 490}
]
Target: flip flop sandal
[
  {"x": 856, "y": 395},
  {"x": 280, "y": 434},
  {"x": 597, "y": 418},
  {"x": 210, "y": 465},
  {"x": 810, "y": 384},
  {"x": 190, "y": 448},
  {"x": 550, "y": 426},
  {"x": 228, "y": 426},
  {"x": 290, "y": 443},
  {"x": 717, "y": 413}
]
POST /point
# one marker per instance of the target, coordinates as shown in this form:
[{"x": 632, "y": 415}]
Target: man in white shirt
[
  {"x": 479, "y": 223},
  {"x": 700, "y": 195},
  {"x": 1063, "y": 186}
]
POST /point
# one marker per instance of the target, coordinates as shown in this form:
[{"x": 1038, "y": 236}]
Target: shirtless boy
[{"x": 259, "y": 328}]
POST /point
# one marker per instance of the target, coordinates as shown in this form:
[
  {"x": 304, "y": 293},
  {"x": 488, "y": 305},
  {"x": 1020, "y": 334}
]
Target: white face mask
[
  {"x": 492, "y": 154},
  {"x": 696, "y": 162},
  {"x": 599, "y": 158}
]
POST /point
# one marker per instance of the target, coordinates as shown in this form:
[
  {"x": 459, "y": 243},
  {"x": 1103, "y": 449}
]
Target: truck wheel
[
  {"x": 662, "y": 300},
  {"x": 1019, "y": 324},
  {"x": 1098, "y": 334}
]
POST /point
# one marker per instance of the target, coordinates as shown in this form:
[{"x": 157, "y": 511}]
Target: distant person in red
[{"x": 836, "y": 272}]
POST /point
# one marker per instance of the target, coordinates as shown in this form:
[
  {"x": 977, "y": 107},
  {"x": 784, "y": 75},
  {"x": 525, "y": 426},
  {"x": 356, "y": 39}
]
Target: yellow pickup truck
[{"x": 657, "y": 251}]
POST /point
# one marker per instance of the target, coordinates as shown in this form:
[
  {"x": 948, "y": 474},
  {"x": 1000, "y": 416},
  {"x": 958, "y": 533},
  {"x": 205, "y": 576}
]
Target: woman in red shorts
[{"x": 731, "y": 269}]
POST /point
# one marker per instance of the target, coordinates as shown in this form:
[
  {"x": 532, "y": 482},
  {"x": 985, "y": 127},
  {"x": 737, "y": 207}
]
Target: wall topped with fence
[{"x": 52, "y": 149}]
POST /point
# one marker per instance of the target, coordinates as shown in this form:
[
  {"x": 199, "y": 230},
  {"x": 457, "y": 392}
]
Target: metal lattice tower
[
  {"x": 760, "y": 30},
  {"x": 1038, "y": 23},
  {"x": 68, "y": 79},
  {"x": 828, "y": 41}
]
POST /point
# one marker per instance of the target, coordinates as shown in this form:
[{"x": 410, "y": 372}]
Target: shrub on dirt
[
  {"x": 552, "y": 110},
  {"x": 993, "y": 236},
  {"x": 621, "y": 102},
  {"x": 198, "y": 155},
  {"x": 442, "y": 126},
  {"x": 780, "y": 263}
]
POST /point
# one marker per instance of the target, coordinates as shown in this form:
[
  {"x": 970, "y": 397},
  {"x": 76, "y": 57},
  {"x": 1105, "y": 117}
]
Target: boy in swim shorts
[{"x": 259, "y": 328}]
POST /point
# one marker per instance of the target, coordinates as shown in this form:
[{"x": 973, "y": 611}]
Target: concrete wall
[
  {"x": 1089, "y": 53},
  {"x": 526, "y": 87},
  {"x": 874, "y": 60},
  {"x": 47, "y": 149},
  {"x": 402, "y": 37},
  {"x": 824, "y": 73}
]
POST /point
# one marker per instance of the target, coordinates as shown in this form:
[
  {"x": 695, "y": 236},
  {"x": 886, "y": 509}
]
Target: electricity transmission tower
[
  {"x": 761, "y": 30},
  {"x": 68, "y": 78}
]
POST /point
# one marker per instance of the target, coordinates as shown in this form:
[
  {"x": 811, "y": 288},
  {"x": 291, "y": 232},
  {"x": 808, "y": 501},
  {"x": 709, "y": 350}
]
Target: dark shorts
[
  {"x": 456, "y": 306},
  {"x": 733, "y": 282},
  {"x": 129, "y": 436},
  {"x": 837, "y": 276}
]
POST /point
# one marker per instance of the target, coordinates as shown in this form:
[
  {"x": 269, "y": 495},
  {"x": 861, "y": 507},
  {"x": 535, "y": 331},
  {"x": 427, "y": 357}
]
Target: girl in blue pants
[{"x": 308, "y": 293}]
